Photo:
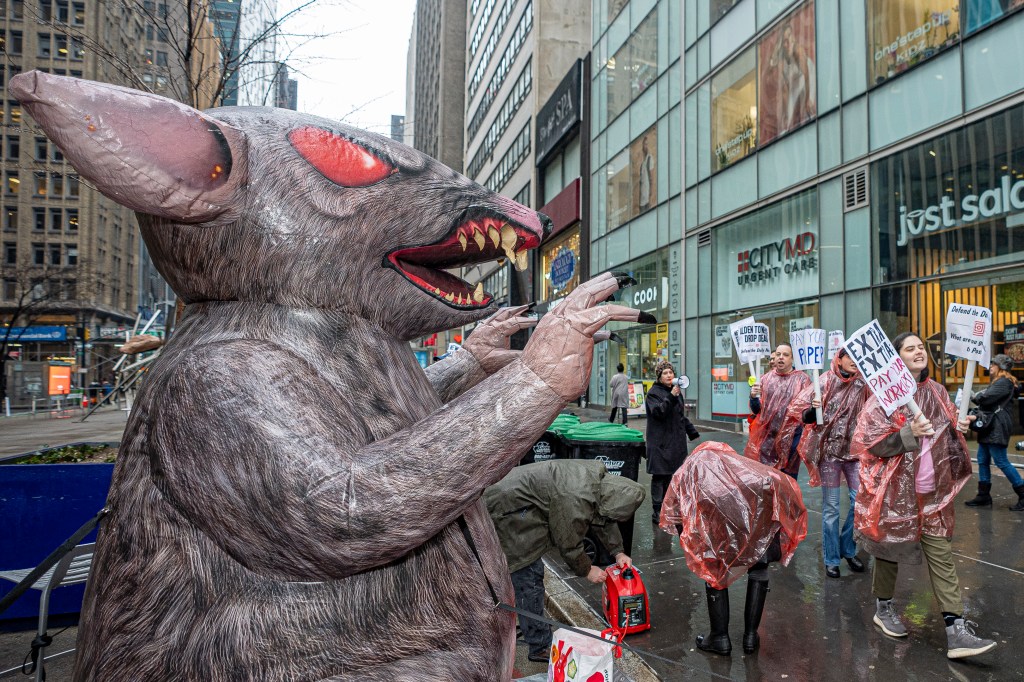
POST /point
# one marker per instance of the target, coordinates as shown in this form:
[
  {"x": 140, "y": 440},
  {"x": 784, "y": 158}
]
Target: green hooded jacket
[{"x": 552, "y": 505}]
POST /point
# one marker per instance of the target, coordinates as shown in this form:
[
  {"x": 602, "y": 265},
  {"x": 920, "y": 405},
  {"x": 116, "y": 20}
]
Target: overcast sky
[{"x": 358, "y": 74}]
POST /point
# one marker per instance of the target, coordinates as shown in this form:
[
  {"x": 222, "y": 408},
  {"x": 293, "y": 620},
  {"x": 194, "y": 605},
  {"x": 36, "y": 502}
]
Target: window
[
  {"x": 148, "y": 56},
  {"x": 40, "y": 149},
  {"x": 150, "y": 33},
  {"x": 787, "y": 84},
  {"x": 13, "y": 147},
  {"x": 15, "y": 112},
  {"x": 72, "y": 186},
  {"x": 719, "y": 8},
  {"x": 62, "y": 12},
  {"x": 55, "y": 254},
  {"x": 634, "y": 67},
  {"x": 45, "y": 10},
  {"x": 43, "y": 50},
  {"x": 72, "y": 216},
  {"x": 55, "y": 154},
  {"x": 78, "y": 13},
  {"x": 14, "y": 44},
  {"x": 57, "y": 185},
  {"x": 38, "y": 219},
  {"x": 161, "y": 34},
  {"x": 161, "y": 58},
  {"x": 17, "y": 9},
  {"x": 618, "y": 190},
  {"x": 734, "y": 111},
  {"x": 501, "y": 122},
  {"x": 38, "y": 254},
  {"x": 10, "y": 217},
  {"x": 40, "y": 184},
  {"x": 902, "y": 33},
  {"x": 10, "y": 253},
  {"x": 56, "y": 219},
  {"x": 77, "y": 49},
  {"x": 513, "y": 158},
  {"x": 60, "y": 45},
  {"x": 515, "y": 43},
  {"x": 72, "y": 254},
  {"x": 13, "y": 183}
]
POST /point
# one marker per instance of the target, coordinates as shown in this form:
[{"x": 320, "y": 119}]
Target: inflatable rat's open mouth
[{"x": 475, "y": 241}]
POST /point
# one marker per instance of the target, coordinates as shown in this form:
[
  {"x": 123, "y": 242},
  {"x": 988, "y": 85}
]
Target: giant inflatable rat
[{"x": 291, "y": 491}]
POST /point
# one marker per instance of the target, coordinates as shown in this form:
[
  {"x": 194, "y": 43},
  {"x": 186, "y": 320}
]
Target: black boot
[
  {"x": 717, "y": 641},
  {"x": 757, "y": 590},
  {"x": 1019, "y": 489},
  {"x": 983, "y": 498}
]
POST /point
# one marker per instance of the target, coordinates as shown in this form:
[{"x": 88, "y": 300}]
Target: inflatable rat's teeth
[
  {"x": 494, "y": 236},
  {"x": 478, "y": 237},
  {"x": 463, "y": 241}
]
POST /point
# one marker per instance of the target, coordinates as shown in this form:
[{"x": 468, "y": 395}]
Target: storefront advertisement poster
[
  {"x": 723, "y": 341},
  {"x": 636, "y": 399},
  {"x": 836, "y": 339},
  {"x": 808, "y": 348},
  {"x": 905, "y": 33},
  {"x": 882, "y": 367},
  {"x": 969, "y": 332},
  {"x": 798, "y": 323},
  {"x": 1013, "y": 342},
  {"x": 643, "y": 160},
  {"x": 787, "y": 75}
]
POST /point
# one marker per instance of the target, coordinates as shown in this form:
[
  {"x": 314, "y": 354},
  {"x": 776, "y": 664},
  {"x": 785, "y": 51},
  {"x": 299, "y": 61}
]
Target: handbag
[{"x": 983, "y": 419}]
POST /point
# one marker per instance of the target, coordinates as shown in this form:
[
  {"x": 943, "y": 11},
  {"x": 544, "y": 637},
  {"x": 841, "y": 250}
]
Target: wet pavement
[{"x": 816, "y": 627}]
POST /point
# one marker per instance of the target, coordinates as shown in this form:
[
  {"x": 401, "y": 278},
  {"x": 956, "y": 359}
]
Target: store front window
[
  {"x": 560, "y": 265},
  {"x": 644, "y": 345},
  {"x": 903, "y": 33},
  {"x": 734, "y": 110},
  {"x": 786, "y": 76},
  {"x": 981, "y": 13}
]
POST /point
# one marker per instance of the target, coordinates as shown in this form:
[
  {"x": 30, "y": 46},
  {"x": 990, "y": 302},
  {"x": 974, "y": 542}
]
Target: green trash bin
[
  {"x": 551, "y": 445},
  {"x": 620, "y": 448}
]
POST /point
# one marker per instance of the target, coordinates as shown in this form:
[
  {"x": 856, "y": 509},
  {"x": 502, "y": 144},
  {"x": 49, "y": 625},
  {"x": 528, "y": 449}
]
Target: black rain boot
[
  {"x": 983, "y": 498},
  {"x": 1019, "y": 489},
  {"x": 717, "y": 641},
  {"x": 757, "y": 590}
]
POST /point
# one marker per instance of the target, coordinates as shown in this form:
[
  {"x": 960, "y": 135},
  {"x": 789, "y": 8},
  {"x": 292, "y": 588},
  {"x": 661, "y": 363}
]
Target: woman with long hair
[
  {"x": 993, "y": 440},
  {"x": 912, "y": 467}
]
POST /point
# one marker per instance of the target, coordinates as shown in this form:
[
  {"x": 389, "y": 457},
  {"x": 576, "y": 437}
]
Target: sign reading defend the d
[
  {"x": 882, "y": 367},
  {"x": 969, "y": 332}
]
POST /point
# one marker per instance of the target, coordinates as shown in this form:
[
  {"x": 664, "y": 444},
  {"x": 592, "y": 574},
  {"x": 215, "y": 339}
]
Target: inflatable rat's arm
[{"x": 485, "y": 352}]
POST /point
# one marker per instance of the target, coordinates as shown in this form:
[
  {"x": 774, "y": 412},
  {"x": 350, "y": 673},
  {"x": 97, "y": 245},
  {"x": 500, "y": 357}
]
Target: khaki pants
[{"x": 938, "y": 555}]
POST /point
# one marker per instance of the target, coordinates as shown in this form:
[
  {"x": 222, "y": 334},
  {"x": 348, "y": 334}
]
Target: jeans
[
  {"x": 994, "y": 453},
  {"x": 528, "y": 584},
  {"x": 835, "y": 544}
]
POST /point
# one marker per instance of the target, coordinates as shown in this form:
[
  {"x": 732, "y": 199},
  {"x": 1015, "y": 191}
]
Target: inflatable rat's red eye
[{"x": 339, "y": 160}]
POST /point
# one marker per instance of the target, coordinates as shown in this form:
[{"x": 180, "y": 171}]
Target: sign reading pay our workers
[
  {"x": 750, "y": 339},
  {"x": 969, "y": 332},
  {"x": 808, "y": 348},
  {"x": 882, "y": 367}
]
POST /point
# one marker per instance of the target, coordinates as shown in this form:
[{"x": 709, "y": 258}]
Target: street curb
[{"x": 565, "y": 605}]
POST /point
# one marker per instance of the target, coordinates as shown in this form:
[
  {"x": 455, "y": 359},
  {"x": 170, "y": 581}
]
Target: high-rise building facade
[{"x": 845, "y": 161}]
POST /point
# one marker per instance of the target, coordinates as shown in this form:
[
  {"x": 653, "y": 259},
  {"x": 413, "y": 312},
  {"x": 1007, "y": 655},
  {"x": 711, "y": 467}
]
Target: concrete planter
[{"x": 42, "y": 505}]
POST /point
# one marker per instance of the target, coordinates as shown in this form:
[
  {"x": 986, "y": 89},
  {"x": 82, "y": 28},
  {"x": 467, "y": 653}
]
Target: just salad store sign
[
  {"x": 784, "y": 258},
  {"x": 994, "y": 202}
]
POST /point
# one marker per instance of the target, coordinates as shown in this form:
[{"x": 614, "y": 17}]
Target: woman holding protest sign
[
  {"x": 912, "y": 467},
  {"x": 993, "y": 439},
  {"x": 825, "y": 449}
]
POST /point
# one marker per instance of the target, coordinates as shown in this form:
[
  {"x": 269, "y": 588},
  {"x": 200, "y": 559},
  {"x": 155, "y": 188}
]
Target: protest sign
[
  {"x": 751, "y": 341},
  {"x": 809, "y": 353},
  {"x": 835, "y": 342},
  {"x": 882, "y": 367},
  {"x": 968, "y": 335}
]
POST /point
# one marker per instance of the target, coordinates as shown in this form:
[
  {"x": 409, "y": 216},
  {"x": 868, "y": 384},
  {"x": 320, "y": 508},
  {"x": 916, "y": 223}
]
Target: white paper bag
[{"x": 575, "y": 658}]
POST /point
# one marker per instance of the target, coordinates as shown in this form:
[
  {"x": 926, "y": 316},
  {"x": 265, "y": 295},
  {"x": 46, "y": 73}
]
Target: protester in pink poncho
[
  {"x": 912, "y": 467},
  {"x": 733, "y": 516},
  {"x": 770, "y": 442}
]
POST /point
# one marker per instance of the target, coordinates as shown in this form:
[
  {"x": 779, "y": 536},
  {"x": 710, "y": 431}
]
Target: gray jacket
[{"x": 620, "y": 390}]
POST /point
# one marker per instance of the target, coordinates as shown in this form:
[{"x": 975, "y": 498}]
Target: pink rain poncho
[
  {"x": 770, "y": 436},
  {"x": 729, "y": 509},
  {"x": 841, "y": 402},
  {"x": 890, "y": 508}
]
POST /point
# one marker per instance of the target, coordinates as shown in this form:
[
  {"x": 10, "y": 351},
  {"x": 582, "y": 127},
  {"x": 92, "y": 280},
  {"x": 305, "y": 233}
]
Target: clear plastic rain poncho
[
  {"x": 841, "y": 402},
  {"x": 770, "y": 436},
  {"x": 727, "y": 510},
  {"x": 889, "y": 508}
]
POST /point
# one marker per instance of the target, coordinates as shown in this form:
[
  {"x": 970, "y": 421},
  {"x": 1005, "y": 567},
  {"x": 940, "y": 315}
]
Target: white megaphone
[{"x": 683, "y": 382}]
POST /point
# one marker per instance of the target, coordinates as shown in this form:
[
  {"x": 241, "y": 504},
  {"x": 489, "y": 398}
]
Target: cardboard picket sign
[
  {"x": 809, "y": 353},
  {"x": 968, "y": 335},
  {"x": 751, "y": 341},
  {"x": 882, "y": 368},
  {"x": 836, "y": 339}
]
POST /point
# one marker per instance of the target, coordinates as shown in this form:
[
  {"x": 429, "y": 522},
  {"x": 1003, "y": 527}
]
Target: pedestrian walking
[
  {"x": 620, "y": 393},
  {"x": 770, "y": 441},
  {"x": 912, "y": 467},
  {"x": 825, "y": 449},
  {"x": 995, "y": 402},
  {"x": 733, "y": 516},
  {"x": 667, "y": 431},
  {"x": 551, "y": 505}
]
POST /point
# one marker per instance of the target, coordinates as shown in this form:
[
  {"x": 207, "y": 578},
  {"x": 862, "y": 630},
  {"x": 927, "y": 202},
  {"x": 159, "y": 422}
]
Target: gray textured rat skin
[{"x": 285, "y": 501}]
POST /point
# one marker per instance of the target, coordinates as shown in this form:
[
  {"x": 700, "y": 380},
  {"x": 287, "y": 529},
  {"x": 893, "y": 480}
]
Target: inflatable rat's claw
[{"x": 623, "y": 279}]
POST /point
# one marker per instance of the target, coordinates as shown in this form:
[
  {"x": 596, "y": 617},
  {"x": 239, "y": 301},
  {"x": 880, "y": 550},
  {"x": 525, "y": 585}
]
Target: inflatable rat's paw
[
  {"x": 489, "y": 342},
  {"x": 560, "y": 352}
]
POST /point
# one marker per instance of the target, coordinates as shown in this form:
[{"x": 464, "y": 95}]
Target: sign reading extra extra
[
  {"x": 791, "y": 256},
  {"x": 882, "y": 367},
  {"x": 1007, "y": 198}
]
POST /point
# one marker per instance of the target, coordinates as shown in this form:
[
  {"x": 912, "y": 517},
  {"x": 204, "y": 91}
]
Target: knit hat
[
  {"x": 661, "y": 367},
  {"x": 1002, "y": 361}
]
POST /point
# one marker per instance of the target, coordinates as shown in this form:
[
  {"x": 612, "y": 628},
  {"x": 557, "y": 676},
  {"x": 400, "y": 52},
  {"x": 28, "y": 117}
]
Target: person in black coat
[
  {"x": 997, "y": 400},
  {"x": 667, "y": 429}
]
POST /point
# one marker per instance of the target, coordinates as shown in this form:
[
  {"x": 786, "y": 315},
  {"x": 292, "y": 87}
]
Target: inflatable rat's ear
[{"x": 144, "y": 151}]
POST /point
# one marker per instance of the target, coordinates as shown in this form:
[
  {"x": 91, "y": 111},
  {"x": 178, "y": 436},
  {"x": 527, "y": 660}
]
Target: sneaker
[
  {"x": 961, "y": 641},
  {"x": 887, "y": 619}
]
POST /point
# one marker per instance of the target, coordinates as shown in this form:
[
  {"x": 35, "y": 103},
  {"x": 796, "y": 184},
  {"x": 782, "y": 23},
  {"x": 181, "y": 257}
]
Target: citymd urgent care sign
[{"x": 883, "y": 369}]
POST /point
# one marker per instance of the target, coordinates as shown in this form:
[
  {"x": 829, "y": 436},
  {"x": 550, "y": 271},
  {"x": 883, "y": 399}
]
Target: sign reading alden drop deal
[{"x": 883, "y": 369}]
